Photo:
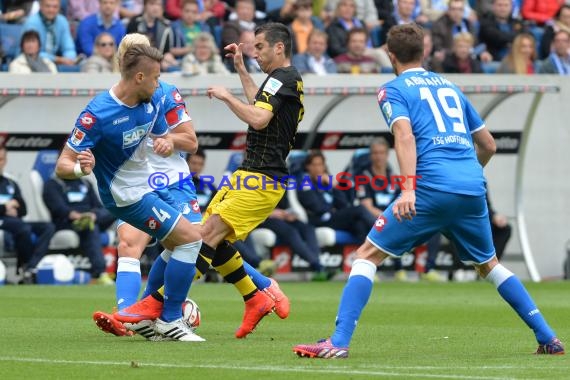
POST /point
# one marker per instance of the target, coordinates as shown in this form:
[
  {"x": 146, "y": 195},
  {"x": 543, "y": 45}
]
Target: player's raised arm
[{"x": 249, "y": 86}]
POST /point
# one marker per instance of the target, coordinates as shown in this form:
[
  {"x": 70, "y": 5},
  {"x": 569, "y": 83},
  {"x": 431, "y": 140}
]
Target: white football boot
[{"x": 176, "y": 330}]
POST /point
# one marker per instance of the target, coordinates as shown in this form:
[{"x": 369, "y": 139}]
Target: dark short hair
[
  {"x": 312, "y": 155},
  {"x": 276, "y": 32},
  {"x": 406, "y": 42},
  {"x": 354, "y": 31},
  {"x": 200, "y": 153},
  {"x": 28, "y": 36},
  {"x": 135, "y": 55}
]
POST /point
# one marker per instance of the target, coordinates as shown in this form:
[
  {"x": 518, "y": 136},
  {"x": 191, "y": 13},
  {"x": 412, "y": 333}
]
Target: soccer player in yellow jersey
[{"x": 272, "y": 112}]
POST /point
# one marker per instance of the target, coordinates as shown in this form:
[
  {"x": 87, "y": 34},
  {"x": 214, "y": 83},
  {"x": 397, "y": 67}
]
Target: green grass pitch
[{"x": 408, "y": 331}]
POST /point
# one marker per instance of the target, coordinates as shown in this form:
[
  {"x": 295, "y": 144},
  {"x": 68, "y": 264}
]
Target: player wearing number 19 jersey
[{"x": 435, "y": 132}]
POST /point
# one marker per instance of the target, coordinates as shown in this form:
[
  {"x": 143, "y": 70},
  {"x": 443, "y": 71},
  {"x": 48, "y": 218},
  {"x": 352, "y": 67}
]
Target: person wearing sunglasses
[{"x": 103, "y": 55}]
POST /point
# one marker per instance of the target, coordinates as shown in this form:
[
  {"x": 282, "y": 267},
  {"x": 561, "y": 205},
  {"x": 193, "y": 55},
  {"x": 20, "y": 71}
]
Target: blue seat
[
  {"x": 272, "y": 5},
  {"x": 68, "y": 69},
  {"x": 234, "y": 162},
  {"x": 10, "y": 36},
  {"x": 217, "y": 33},
  {"x": 376, "y": 36},
  {"x": 296, "y": 162},
  {"x": 45, "y": 163},
  {"x": 345, "y": 237}
]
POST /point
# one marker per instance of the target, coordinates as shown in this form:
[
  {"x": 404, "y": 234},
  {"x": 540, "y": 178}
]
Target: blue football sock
[
  {"x": 513, "y": 291},
  {"x": 156, "y": 274},
  {"x": 128, "y": 281},
  {"x": 178, "y": 277},
  {"x": 354, "y": 297},
  {"x": 260, "y": 281}
]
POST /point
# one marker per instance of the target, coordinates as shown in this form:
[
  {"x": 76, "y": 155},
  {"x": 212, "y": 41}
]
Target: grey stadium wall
[{"x": 533, "y": 191}]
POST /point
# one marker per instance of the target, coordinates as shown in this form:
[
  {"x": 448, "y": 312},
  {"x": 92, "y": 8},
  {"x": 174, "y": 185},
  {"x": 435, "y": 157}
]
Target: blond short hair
[{"x": 128, "y": 41}]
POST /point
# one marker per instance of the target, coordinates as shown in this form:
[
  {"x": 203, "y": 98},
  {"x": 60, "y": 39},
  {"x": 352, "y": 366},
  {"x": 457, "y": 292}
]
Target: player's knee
[
  {"x": 215, "y": 230},
  {"x": 127, "y": 248},
  {"x": 368, "y": 251},
  {"x": 484, "y": 269}
]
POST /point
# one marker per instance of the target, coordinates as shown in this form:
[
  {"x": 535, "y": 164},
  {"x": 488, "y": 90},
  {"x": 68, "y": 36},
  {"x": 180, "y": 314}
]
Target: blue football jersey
[
  {"x": 442, "y": 121},
  {"x": 114, "y": 132},
  {"x": 174, "y": 166}
]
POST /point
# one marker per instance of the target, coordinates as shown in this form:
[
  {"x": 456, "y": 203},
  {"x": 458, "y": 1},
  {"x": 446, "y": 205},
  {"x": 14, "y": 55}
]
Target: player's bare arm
[
  {"x": 485, "y": 145},
  {"x": 256, "y": 117},
  {"x": 72, "y": 165},
  {"x": 184, "y": 137},
  {"x": 249, "y": 86},
  {"x": 163, "y": 146},
  {"x": 405, "y": 146}
]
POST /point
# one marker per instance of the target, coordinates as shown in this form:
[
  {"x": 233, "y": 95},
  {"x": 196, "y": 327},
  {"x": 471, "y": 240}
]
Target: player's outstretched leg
[
  {"x": 271, "y": 287},
  {"x": 514, "y": 292},
  {"x": 353, "y": 300},
  {"x": 228, "y": 262}
]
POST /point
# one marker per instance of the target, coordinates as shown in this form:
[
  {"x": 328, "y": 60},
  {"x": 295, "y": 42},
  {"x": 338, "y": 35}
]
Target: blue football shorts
[
  {"x": 186, "y": 201},
  {"x": 464, "y": 219},
  {"x": 156, "y": 214}
]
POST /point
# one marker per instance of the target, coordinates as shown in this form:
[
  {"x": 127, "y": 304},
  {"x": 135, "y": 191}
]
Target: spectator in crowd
[
  {"x": 130, "y": 8},
  {"x": 431, "y": 61},
  {"x": 559, "y": 60},
  {"x": 204, "y": 58},
  {"x": 385, "y": 9},
  {"x": 153, "y": 24},
  {"x": 104, "y": 20},
  {"x": 315, "y": 60},
  {"x": 540, "y": 11},
  {"x": 29, "y": 60},
  {"x": 247, "y": 39},
  {"x": 214, "y": 13},
  {"x": 77, "y": 10},
  {"x": 355, "y": 60},
  {"x": 55, "y": 35},
  {"x": 365, "y": 11},
  {"x": 12, "y": 209},
  {"x": 300, "y": 236},
  {"x": 500, "y": 228},
  {"x": 103, "y": 58},
  {"x": 450, "y": 24},
  {"x": 302, "y": 25},
  {"x": 460, "y": 59},
  {"x": 561, "y": 22},
  {"x": 327, "y": 206},
  {"x": 245, "y": 12},
  {"x": 73, "y": 204},
  {"x": 483, "y": 7},
  {"x": 403, "y": 14},
  {"x": 376, "y": 196},
  {"x": 284, "y": 14},
  {"x": 188, "y": 27},
  {"x": 344, "y": 21},
  {"x": 521, "y": 57},
  {"x": 260, "y": 7},
  {"x": 16, "y": 11},
  {"x": 498, "y": 29},
  {"x": 434, "y": 9}
]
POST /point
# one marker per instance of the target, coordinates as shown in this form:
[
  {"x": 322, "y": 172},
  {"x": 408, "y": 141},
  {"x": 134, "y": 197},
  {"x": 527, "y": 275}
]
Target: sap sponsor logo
[
  {"x": 87, "y": 120},
  {"x": 77, "y": 136},
  {"x": 121, "y": 120},
  {"x": 331, "y": 140},
  {"x": 133, "y": 136},
  {"x": 272, "y": 86},
  {"x": 209, "y": 140}
]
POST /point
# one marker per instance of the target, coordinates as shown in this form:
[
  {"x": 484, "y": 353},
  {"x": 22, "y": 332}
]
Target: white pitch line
[{"x": 252, "y": 368}]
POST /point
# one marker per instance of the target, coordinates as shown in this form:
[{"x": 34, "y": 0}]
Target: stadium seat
[
  {"x": 217, "y": 32},
  {"x": 10, "y": 39},
  {"x": 42, "y": 170},
  {"x": 234, "y": 162},
  {"x": 272, "y": 5}
]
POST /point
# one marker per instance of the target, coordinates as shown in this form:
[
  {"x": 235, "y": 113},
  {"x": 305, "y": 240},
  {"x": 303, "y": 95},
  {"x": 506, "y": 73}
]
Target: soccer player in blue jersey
[
  {"x": 132, "y": 241},
  {"x": 440, "y": 137},
  {"x": 109, "y": 139}
]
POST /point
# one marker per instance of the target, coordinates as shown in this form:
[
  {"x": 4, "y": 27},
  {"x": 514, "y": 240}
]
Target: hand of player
[
  {"x": 86, "y": 161},
  {"x": 163, "y": 146},
  {"x": 218, "y": 92},
  {"x": 405, "y": 206},
  {"x": 235, "y": 51},
  {"x": 500, "y": 220},
  {"x": 12, "y": 207}
]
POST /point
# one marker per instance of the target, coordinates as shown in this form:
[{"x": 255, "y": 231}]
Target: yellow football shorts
[{"x": 246, "y": 202}]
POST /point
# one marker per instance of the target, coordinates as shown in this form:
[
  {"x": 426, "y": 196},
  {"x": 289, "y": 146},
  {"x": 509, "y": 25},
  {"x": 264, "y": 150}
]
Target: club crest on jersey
[
  {"x": 195, "y": 206},
  {"x": 177, "y": 97},
  {"x": 152, "y": 224},
  {"x": 77, "y": 136},
  {"x": 133, "y": 136},
  {"x": 272, "y": 86},
  {"x": 380, "y": 223},
  {"x": 87, "y": 120},
  {"x": 381, "y": 95},
  {"x": 149, "y": 108}
]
